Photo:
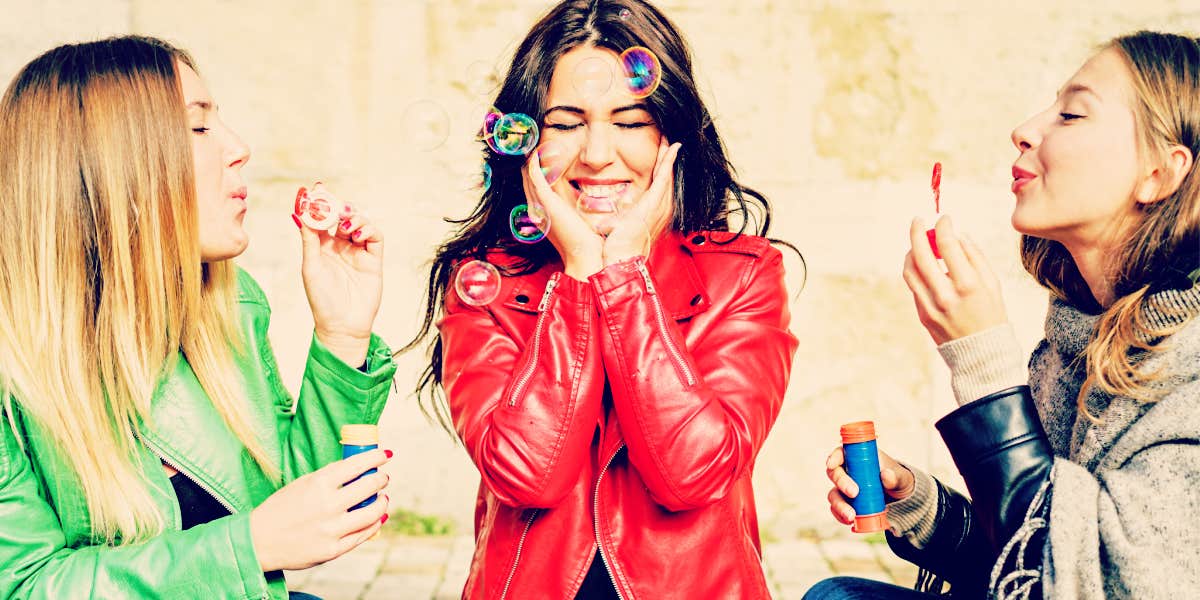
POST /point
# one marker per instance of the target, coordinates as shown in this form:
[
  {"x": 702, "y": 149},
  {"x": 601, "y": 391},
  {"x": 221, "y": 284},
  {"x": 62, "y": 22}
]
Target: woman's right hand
[
  {"x": 581, "y": 248},
  {"x": 897, "y": 481},
  {"x": 306, "y": 523}
]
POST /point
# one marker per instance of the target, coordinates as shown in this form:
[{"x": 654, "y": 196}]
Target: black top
[
  {"x": 597, "y": 585},
  {"x": 196, "y": 506}
]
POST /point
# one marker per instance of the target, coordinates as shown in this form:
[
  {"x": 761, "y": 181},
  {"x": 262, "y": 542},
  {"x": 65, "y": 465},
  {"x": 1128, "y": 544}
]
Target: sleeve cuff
[
  {"x": 915, "y": 516},
  {"x": 984, "y": 363},
  {"x": 379, "y": 368},
  {"x": 242, "y": 546}
]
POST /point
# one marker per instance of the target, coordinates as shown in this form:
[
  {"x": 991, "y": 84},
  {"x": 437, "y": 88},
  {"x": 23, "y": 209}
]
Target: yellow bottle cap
[{"x": 360, "y": 435}]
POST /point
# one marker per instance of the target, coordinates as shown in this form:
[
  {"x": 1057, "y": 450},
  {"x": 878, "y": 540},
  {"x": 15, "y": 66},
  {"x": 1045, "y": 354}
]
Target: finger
[
  {"x": 360, "y": 489},
  {"x": 925, "y": 264},
  {"x": 840, "y": 507},
  {"x": 979, "y": 261},
  {"x": 348, "y": 226},
  {"x": 359, "y": 519},
  {"x": 337, "y": 473},
  {"x": 356, "y": 538},
  {"x": 545, "y": 195},
  {"x": 959, "y": 267},
  {"x": 922, "y": 297},
  {"x": 889, "y": 479},
  {"x": 845, "y": 483},
  {"x": 366, "y": 234},
  {"x": 835, "y": 459}
]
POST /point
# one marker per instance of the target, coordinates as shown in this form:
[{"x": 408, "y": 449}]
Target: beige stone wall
[{"x": 836, "y": 110}]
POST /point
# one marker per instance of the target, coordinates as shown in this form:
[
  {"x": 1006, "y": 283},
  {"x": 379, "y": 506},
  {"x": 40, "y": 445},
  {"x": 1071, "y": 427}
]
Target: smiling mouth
[{"x": 600, "y": 198}]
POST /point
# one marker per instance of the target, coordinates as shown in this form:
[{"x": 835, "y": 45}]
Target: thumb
[
  {"x": 310, "y": 241},
  {"x": 890, "y": 480}
]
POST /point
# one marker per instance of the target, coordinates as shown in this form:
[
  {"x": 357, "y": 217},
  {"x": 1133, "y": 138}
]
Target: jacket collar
[{"x": 679, "y": 285}]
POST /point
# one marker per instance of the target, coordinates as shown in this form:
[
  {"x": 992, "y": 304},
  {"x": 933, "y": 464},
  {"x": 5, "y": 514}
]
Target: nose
[
  {"x": 1028, "y": 135},
  {"x": 597, "y": 150},
  {"x": 237, "y": 153}
]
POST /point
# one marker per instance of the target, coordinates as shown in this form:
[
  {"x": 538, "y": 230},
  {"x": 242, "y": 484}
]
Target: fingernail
[
  {"x": 387, "y": 453},
  {"x": 297, "y": 221},
  {"x": 356, "y": 235},
  {"x": 345, "y": 225},
  {"x": 849, "y": 514},
  {"x": 384, "y": 519}
]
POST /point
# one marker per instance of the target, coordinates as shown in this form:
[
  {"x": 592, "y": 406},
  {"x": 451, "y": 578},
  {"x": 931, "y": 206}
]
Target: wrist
[
  {"x": 350, "y": 348},
  {"x": 581, "y": 269}
]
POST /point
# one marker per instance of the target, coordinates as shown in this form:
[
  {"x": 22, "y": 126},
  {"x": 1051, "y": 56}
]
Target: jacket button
[
  {"x": 696, "y": 299},
  {"x": 522, "y": 299},
  {"x": 698, "y": 240}
]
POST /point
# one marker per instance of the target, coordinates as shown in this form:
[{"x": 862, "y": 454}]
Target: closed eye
[
  {"x": 1069, "y": 116},
  {"x": 637, "y": 125},
  {"x": 564, "y": 127}
]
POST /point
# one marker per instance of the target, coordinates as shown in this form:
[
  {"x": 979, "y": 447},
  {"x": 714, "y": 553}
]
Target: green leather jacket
[{"x": 46, "y": 550}]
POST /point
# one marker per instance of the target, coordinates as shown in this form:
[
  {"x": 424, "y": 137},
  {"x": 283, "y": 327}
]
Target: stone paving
[{"x": 397, "y": 567}]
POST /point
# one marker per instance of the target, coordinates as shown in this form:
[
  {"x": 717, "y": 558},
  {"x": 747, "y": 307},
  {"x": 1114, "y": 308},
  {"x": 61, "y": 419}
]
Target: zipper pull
[
  {"x": 641, "y": 267},
  {"x": 549, "y": 289}
]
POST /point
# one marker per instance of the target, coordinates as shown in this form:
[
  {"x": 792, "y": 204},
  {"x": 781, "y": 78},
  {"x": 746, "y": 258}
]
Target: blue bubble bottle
[{"x": 862, "y": 464}]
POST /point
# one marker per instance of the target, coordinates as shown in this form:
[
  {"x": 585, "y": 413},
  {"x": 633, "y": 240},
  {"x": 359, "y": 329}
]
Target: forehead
[
  {"x": 590, "y": 78},
  {"x": 193, "y": 87},
  {"x": 1108, "y": 74}
]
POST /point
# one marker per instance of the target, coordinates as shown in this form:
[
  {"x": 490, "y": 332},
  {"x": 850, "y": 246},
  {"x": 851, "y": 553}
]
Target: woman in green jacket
[{"x": 147, "y": 446}]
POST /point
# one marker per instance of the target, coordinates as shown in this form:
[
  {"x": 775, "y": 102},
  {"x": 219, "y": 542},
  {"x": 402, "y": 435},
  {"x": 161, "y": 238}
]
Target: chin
[{"x": 233, "y": 249}]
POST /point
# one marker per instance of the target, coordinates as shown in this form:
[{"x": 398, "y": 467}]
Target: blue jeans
[
  {"x": 302, "y": 596},
  {"x": 854, "y": 588}
]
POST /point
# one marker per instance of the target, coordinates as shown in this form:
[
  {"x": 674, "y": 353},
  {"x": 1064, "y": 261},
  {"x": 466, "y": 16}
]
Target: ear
[{"x": 1166, "y": 177}]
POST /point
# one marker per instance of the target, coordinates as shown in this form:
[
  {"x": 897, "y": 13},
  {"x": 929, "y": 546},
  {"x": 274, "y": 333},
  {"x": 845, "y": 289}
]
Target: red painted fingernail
[
  {"x": 297, "y": 220},
  {"x": 387, "y": 453},
  {"x": 346, "y": 225},
  {"x": 384, "y": 519},
  {"x": 356, "y": 235}
]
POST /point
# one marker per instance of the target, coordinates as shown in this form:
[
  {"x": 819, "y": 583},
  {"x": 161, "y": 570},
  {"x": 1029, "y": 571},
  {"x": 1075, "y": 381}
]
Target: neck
[{"x": 1090, "y": 260}]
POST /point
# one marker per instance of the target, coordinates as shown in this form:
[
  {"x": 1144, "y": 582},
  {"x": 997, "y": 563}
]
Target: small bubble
[
  {"x": 555, "y": 157},
  {"x": 624, "y": 14},
  {"x": 483, "y": 180},
  {"x": 477, "y": 283},
  {"x": 482, "y": 78}
]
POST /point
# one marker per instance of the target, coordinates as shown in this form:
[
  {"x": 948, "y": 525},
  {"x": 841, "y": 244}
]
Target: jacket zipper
[
  {"x": 537, "y": 341},
  {"x": 662, "y": 326},
  {"x": 517, "y": 559},
  {"x": 162, "y": 456},
  {"x": 596, "y": 522}
]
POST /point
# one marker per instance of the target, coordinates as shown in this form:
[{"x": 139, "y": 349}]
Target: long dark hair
[{"x": 706, "y": 192}]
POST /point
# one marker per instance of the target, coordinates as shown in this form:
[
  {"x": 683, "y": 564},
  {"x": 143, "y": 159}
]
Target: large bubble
[
  {"x": 477, "y": 283},
  {"x": 643, "y": 71},
  {"x": 424, "y": 125},
  {"x": 516, "y": 134},
  {"x": 593, "y": 76},
  {"x": 528, "y": 223}
]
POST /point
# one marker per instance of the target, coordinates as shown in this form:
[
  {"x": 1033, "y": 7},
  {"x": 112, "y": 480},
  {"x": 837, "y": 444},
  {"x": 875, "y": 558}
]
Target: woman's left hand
[
  {"x": 954, "y": 304},
  {"x": 638, "y": 227},
  {"x": 343, "y": 279}
]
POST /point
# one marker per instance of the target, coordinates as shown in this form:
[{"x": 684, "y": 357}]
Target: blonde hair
[
  {"x": 101, "y": 279},
  {"x": 1159, "y": 249}
]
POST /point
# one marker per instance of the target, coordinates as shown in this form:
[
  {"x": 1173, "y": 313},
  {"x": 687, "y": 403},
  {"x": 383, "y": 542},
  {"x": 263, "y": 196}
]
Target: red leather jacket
[{"x": 623, "y": 413}]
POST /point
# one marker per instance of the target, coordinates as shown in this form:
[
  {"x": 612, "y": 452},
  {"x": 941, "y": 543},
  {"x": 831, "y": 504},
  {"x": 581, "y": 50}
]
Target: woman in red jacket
[{"x": 616, "y": 390}]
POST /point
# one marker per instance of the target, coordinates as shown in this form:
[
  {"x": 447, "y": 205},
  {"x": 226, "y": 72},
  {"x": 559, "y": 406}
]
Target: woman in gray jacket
[{"x": 1083, "y": 481}]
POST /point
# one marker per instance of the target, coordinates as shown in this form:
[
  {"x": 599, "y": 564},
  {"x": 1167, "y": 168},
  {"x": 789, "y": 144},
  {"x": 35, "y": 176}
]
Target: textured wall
[{"x": 836, "y": 110}]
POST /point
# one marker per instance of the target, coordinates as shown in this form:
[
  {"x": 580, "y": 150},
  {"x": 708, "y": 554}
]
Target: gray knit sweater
[{"x": 1124, "y": 513}]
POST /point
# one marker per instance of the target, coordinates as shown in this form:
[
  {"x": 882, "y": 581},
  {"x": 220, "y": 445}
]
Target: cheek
[{"x": 639, "y": 152}]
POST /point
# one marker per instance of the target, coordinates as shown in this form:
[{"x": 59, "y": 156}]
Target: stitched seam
[{"x": 564, "y": 425}]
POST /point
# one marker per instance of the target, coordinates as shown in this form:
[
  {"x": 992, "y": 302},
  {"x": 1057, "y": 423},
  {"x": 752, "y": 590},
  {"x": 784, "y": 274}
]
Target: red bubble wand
[{"x": 936, "y": 185}]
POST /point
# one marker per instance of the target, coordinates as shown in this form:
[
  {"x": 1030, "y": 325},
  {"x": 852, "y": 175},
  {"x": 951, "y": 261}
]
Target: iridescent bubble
[
  {"x": 527, "y": 228},
  {"x": 555, "y": 158},
  {"x": 483, "y": 181},
  {"x": 487, "y": 130},
  {"x": 477, "y": 283},
  {"x": 593, "y": 77},
  {"x": 643, "y": 72},
  {"x": 424, "y": 125},
  {"x": 604, "y": 203},
  {"x": 516, "y": 134},
  {"x": 624, "y": 14}
]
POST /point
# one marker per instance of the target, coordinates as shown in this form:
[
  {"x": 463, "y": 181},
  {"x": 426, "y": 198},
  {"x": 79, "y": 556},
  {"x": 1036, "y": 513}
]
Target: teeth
[{"x": 603, "y": 191}]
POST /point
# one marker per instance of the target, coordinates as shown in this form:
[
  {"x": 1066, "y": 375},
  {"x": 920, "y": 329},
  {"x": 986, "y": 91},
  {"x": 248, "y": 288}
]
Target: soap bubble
[
  {"x": 593, "y": 76},
  {"x": 515, "y": 134},
  {"x": 487, "y": 129},
  {"x": 483, "y": 181},
  {"x": 643, "y": 72},
  {"x": 555, "y": 157},
  {"x": 424, "y": 125},
  {"x": 528, "y": 225},
  {"x": 477, "y": 283},
  {"x": 624, "y": 14},
  {"x": 482, "y": 78}
]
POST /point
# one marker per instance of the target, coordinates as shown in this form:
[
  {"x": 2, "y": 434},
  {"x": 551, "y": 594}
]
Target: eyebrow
[
  {"x": 579, "y": 111},
  {"x": 1079, "y": 88},
  {"x": 201, "y": 104}
]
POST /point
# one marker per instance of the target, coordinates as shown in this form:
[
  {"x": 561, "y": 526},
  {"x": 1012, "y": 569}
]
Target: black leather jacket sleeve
[{"x": 1003, "y": 455}]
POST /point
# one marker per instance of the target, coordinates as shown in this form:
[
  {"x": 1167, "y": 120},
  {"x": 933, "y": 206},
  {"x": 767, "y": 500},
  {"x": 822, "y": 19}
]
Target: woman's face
[
  {"x": 219, "y": 155},
  {"x": 1075, "y": 179},
  {"x": 593, "y": 118}
]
